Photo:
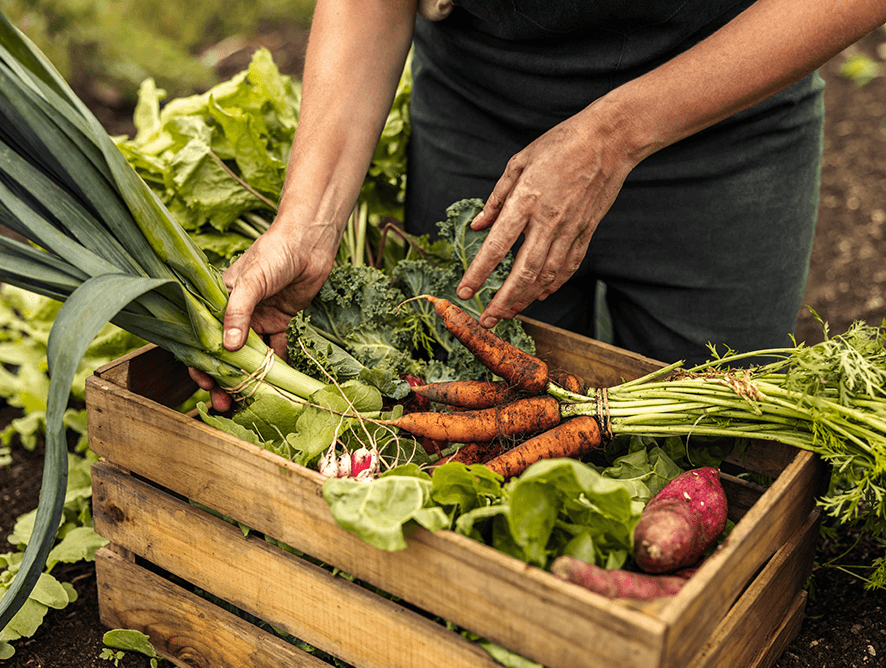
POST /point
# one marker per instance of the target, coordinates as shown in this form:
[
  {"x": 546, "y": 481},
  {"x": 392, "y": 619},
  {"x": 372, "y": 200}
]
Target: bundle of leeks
[{"x": 102, "y": 243}]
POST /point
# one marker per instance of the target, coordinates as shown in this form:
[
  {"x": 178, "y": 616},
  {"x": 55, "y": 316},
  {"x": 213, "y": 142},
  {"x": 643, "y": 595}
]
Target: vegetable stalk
[{"x": 103, "y": 243}]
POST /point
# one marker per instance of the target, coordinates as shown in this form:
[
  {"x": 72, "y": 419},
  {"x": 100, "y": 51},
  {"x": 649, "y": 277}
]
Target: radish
[{"x": 362, "y": 464}]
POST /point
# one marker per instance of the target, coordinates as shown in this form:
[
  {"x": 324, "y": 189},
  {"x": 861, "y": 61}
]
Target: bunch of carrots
[{"x": 489, "y": 417}]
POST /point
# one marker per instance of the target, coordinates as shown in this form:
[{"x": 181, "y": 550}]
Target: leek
[{"x": 105, "y": 245}]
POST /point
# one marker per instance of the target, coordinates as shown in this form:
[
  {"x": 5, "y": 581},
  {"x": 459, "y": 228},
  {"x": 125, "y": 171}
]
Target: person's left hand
[{"x": 555, "y": 192}]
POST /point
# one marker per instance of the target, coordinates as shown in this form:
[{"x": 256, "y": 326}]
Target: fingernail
[
  {"x": 464, "y": 292},
  {"x": 489, "y": 322},
  {"x": 232, "y": 338}
]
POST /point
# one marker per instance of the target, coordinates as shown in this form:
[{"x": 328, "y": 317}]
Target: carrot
[
  {"x": 467, "y": 393},
  {"x": 569, "y": 381},
  {"x": 517, "y": 417},
  {"x": 475, "y": 453},
  {"x": 504, "y": 359},
  {"x": 616, "y": 583},
  {"x": 572, "y": 438}
]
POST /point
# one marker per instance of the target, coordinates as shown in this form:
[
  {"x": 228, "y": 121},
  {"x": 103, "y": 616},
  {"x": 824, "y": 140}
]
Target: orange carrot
[
  {"x": 569, "y": 381},
  {"x": 475, "y": 453},
  {"x": 504, "y": 359},
  {"x": 572, "y": 438},
  {"x": 518, "y": 417},
  {"x": 467, "y": 393}
]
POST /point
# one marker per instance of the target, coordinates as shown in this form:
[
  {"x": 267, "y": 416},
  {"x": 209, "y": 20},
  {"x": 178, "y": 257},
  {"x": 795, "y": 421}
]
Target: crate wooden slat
[
  {"x": 172, "y": 456},
  {"x": 186, "y": 628},
  {"x": 746, "y": 636}
]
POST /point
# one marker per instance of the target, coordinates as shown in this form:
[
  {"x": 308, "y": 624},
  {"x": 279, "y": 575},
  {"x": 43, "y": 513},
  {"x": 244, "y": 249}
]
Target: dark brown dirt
[{"x": 845, "y": 626}]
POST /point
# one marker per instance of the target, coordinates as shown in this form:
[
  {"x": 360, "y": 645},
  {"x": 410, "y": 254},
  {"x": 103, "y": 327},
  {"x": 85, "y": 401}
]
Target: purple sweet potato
[
  {"x": 681, "y": 522},
  {"x": 616, "y": 583}
]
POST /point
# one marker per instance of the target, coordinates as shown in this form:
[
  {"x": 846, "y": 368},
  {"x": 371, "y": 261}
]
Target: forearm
[
  {"x": 355, "y": 56},
  {"x": 770, "y": 46}
]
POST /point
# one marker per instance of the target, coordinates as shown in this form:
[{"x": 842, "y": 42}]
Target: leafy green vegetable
[
  {"x": 128, "y": 640},
  {"x": 218, "y": 160},
  {"x": 355, "y": 323},
  {"x": 75, "y": 541},
  {"x": 555, "y": 507},
  {"x": 378, "y": 511},
  {"x": 47, "y": 593}
]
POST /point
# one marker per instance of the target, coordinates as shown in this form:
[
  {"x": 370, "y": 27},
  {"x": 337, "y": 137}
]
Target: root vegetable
[
  {"x": 681, "y": 522},
  {"x": 518, "y": 417},
  {"x": 475, "y": 453},
  {"x": 504, "y": 359},
  {"x": 573, "y": 438},
  {"x": 569, "y": 381},
  {"x": 474, "y": 394},
  {"x": 616, "y": 583}
]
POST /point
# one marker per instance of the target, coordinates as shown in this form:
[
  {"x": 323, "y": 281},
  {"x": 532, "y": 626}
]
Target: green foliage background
[{"x": 117, "y": 44}]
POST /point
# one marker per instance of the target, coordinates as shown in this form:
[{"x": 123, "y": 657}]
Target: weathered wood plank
[
  {"x": 151, "y": 372},
  {"x": 307, "y": 601},
  {"x": 693, "y": 615},
  {"x": 186, "y": 629},
  {"x": 598, "y": 363}
]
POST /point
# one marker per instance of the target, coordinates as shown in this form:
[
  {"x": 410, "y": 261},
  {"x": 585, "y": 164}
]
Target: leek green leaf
[{"x": 79, "y": 320}]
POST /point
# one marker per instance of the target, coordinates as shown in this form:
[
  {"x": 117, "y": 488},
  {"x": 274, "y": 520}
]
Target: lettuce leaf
[{"x": 558, "y": 506}]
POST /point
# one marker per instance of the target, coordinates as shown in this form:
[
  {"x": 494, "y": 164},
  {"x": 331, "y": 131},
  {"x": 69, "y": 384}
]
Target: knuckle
[
  {"x": 547, "y": 276},
  {"x": 527, "y": 274},
  {"x": 516, "y": 164},
  {"x": 497, "y": 247}
]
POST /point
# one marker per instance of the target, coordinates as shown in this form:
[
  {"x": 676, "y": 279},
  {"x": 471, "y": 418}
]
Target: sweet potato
[
  {"x": 616, "y": 583},
  {"x": 681, "y": 522}
]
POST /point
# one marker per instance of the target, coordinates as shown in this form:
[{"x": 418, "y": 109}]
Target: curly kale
[
  {"x": 354, "y": 328},
  {"x": 419, "y": 276},
  {"x": 361, "y": 323}
]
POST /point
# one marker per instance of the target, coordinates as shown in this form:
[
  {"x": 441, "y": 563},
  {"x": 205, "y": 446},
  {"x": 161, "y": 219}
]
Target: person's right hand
[{"x": 273, "y": 280}]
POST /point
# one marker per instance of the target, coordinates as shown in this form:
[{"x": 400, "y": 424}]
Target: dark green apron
[{"x": 709, "y": 239}]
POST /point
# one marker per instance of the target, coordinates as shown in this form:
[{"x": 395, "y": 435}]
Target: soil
[{"x": 845, "y": 626}]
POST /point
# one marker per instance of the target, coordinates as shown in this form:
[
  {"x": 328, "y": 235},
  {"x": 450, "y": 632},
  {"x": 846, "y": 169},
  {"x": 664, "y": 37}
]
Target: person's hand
[
  {"x": 555, "y": 192},
  {"x": 272, "y": 281}
]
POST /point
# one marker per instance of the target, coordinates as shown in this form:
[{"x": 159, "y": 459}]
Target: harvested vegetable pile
[{"x": 829, "y": 399}]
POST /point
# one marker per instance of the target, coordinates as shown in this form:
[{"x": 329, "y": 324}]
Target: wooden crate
[{"x": 741, "y": 609}]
